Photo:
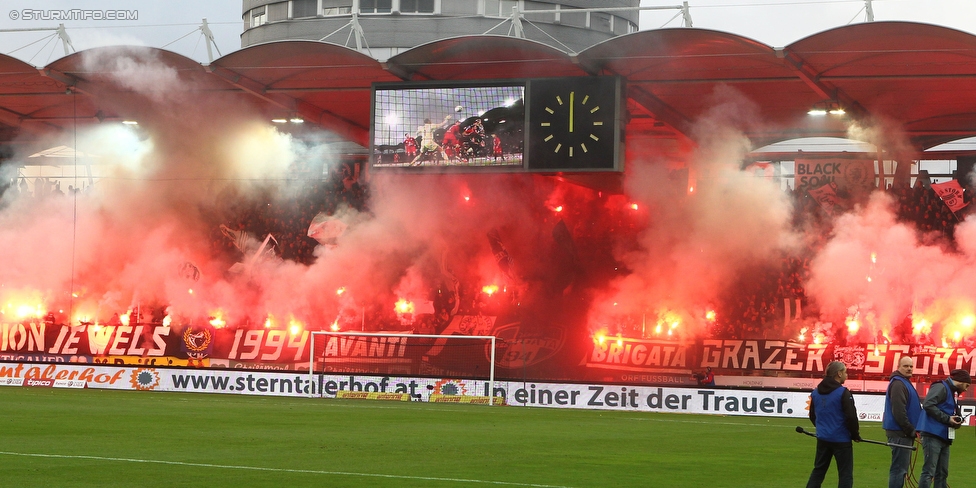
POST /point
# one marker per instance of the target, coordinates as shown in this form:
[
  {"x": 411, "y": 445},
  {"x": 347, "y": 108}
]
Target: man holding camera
[
  {"x": 938, "y": 423},
  {"x": 705, "y": 379}
]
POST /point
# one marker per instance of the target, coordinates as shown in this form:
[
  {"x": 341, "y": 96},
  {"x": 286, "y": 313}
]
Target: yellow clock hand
[{"x": 571, "y": 95}]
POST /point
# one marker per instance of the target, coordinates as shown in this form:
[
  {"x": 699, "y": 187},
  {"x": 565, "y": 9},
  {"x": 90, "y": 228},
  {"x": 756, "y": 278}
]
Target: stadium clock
[{"x": 573, "y": 123}]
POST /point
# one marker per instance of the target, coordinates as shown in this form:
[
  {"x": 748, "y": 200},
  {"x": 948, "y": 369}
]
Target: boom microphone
[
  {"x": 869, "y": 441},
  {"x": 800, "y": 430}
]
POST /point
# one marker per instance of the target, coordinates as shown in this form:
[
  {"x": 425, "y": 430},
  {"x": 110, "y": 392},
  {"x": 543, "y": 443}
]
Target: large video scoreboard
[{"x": 568, "y": 124}]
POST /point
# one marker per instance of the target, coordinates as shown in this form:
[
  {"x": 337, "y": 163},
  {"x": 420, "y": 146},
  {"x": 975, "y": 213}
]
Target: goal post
[{"x": 460, "y": 359}]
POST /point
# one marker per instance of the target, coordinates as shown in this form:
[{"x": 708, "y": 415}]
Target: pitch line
[{"x": 278, "y": 470}]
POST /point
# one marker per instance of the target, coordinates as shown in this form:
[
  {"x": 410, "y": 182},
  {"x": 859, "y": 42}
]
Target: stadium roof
[{"x": 917, "y": 79}]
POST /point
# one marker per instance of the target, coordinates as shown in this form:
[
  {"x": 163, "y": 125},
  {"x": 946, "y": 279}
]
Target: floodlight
[{"x": 825, "y": 107}]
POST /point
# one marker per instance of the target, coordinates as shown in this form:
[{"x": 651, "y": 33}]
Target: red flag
[{"x": 951, "y": 193}]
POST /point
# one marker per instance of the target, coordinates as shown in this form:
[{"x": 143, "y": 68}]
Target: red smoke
[{"x": 655, "y": 255}]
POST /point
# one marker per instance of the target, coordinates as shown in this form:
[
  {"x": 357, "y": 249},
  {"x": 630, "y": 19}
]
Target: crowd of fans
[
  {"x": 770, "y": 302},
  {"x": 285, "y": 213},
  {"x": 42, "y": 188},
  {"x": 764, "y": 301},
  {"x": 926, "y": 210}
]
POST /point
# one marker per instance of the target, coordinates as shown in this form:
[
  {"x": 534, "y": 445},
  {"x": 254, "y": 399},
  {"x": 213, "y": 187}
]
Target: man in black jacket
[
  {"x": 902, "y": 409},
  {"x": 832, "y": 411}
]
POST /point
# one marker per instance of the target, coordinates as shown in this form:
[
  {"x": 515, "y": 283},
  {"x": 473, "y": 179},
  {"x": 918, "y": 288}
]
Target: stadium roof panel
[
  {"x": 915, "y": 77},
  {"x": 903, "y": 77},
  {"x": 483, "y": 57},
  {"x": 678, "y": 75},
  {"x": 326, "y": 84},
  {"x": 25, "y": 94}
]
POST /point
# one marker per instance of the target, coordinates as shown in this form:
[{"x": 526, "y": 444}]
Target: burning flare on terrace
[
  {"x": 295, "y": 327},
  {"x": 217, "y": 320},
  {"x": 403, "y": 306}
]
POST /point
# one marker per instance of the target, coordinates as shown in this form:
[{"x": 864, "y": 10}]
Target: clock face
[{"x": 572, "y": 123}]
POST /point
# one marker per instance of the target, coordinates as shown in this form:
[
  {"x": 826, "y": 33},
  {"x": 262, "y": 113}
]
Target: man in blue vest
[
  {"x": 902, "y": 409},
  {"x": 938, "y": 423},
  {"x": 832, "y": 411}
]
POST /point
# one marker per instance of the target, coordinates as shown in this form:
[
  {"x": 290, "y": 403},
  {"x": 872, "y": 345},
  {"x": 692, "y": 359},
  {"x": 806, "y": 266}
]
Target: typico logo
[
  {"x": 356, "y": 395},
  {"x": 446, "y": 399},
  {"x": 144, "y": 379},
  {"x": 41, "y": 382},
  {"x": 393, "y": 396}
]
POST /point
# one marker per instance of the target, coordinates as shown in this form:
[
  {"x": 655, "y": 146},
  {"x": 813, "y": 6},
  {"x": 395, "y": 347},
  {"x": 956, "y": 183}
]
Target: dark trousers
[{"x": 843, "y": 452}]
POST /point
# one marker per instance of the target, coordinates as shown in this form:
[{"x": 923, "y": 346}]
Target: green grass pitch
[{"x": 69, "y": 438}]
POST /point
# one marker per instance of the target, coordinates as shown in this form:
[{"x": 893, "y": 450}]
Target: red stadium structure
[{"x": 185, "y": 252}]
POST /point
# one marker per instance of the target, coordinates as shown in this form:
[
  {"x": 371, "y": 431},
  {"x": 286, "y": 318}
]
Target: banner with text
[
  {"x": 545, "y": 356},
  {"x": 851, "y": 177},
  {"x": 718, "y": 401}
]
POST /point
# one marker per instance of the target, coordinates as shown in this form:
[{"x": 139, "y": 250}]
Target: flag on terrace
[
  {"x": 454, "y": 285},
  {"x": 265, "y": 252},
  {"x": 826, "y": 196},
  {"x": 502, "y": 257},
  {"x": 951, "y": 193},
  {"x": 325, "y": 229},
  {"x": 238, "y": 237},
  {"x": 189, "y": 271}
]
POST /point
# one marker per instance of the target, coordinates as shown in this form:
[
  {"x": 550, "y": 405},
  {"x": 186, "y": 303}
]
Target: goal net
[{"x": 458, "y": 365}]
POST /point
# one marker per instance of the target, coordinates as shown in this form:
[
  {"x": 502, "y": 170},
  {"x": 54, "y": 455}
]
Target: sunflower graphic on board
[
  {"x": 144, "y": 379},
  {"x": 450, "y": 387}
]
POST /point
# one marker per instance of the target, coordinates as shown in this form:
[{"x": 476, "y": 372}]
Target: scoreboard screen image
[{"x": 546, "y": 125}]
